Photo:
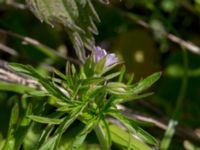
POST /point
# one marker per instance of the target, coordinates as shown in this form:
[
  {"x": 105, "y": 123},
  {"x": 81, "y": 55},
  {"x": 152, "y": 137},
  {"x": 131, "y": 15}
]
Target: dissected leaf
[{"x": 76, "y": 16}]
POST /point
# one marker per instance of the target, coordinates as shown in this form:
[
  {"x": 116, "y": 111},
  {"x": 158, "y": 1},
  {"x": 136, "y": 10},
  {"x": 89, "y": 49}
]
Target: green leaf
[
  {"x": 14, "y": 116},
  {"x": 38, "y": 93},
  {"x": 45, "y": 119},
  {"x": 88, "y": 66},
  {"x": 82, "y": 74},
  {"x": 67, "y": 107},
  {"x": 121, "y": 137},
  {"x": 117, "y": 88},
  {"x": 92, "y": 80},
  {"x": 48, "y": 85},
  {"x": 165, "y": 143},
  {"x": 23, "y": 128},
  {"x": 82, "y": 135},
  {"x": 143, "y": 135},
  {"x": 122, "y": 72},
  {"x": 18, "y": 88},
  {"x": 25, "y": 69},
  {"x": 10, "y": 140},
  {"x": 67, "y": 122},
  {"x": 190, "y": 146},
  {"x": 112, "y": 75},
  {"x": 103, "y": 136},
  {"x": 49, "y": 145},
  {"x": 100, "y": 66},
  {"x": 146, "y": 83},
  {"x": 45, "y": 136},
  {"x": 132, "y": 97},
  {"x": 60, "y": 74},
  {"x": 73, "y": 68},
  {"x": 130, "y": 80},
  {"x": 107, "y": 132},
  {"x": 109, "y": 68}
]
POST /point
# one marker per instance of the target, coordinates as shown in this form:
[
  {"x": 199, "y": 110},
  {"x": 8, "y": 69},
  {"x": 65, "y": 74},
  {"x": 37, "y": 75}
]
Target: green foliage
[
  {"x": 121, "y": 138},
  {"x": 18, "y": 128},
  {"x": 89, "y": 96},
  {"x": 15, "y": 88},
  {"x": 79, "y": 109}
]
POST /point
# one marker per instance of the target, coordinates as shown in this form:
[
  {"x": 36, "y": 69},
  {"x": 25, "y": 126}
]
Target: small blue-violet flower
[{"x": 100, "y": 53}]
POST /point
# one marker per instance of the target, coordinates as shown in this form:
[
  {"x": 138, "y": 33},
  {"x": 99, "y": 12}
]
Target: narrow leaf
[
  {"x": 10, "y": 140},
  {"x": 121, "y": 138},
  {"x": 146, "y": 83},
  {"x": 82, "y": 135},
  {"x": 45, "y": 119},
  {"x": 17, "y": 88},
  {"x": 135, "y": 129}
]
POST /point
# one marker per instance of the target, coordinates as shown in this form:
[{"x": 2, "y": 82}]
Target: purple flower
[{"x": 99, "y": 53}]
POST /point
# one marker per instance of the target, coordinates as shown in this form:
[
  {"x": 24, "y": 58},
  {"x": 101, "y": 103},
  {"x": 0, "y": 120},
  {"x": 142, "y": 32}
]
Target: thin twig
[
  {"x": 186, "y": 44},
  {"x": 8, "y": 50},
  {"x": 180, "y": 131},
  {"x": 36, "y": 43},
  {"x": 17, "y": 5},
  {"x": 13, "y": 5}
]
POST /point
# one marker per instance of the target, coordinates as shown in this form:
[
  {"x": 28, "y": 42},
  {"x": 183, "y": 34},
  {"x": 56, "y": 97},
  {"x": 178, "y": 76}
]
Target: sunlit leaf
[
  {"x": 10, "y": 141},
  {"x": 45, "y": 119},
  {"x": 146, "y": 83},
  {"x": 82, "y": 135},
  {"x": 121, "y": 137}
]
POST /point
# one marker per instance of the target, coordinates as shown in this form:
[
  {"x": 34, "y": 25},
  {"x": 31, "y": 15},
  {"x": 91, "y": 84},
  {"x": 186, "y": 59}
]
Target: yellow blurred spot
[
  {"x": 63, "y": 50},
  {"x": 139, "y": 56}
]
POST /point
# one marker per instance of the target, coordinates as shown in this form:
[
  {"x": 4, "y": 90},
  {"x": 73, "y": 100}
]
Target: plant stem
[{"x": 165, "y": 143}]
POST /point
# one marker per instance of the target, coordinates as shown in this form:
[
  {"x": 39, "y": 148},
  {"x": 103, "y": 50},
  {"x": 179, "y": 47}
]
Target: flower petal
[
  {"x": 111, "y": 59},
  {"x": 99, "y": 53}
]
